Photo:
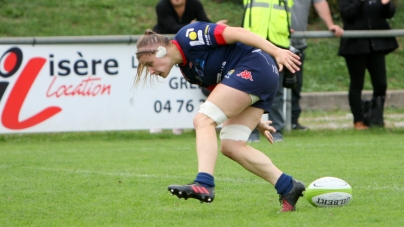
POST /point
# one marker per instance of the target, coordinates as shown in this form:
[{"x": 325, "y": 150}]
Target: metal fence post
[{"x": 287, "y": 108}]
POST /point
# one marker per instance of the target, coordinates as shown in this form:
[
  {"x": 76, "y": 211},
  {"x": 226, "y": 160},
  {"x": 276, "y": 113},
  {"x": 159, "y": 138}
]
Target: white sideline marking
[
  {"x": 225, "y": 179},
  {"x": 126, "y": 174},
  {"x": 376, "y": 187},
  {"x": 100, "y": 173}
]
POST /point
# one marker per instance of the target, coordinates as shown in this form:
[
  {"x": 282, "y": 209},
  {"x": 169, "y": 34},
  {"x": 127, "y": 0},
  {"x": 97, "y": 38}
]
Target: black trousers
[
  {"x": 375, "y": 63},
  {"x": 296, "y": 109}
]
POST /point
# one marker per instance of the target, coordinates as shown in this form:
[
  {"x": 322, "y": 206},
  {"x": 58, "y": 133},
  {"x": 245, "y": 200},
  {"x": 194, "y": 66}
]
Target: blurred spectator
[
  {"x": 271, "y": 20},
  {"x": 172, "y": 15},
  {"x": 300, "y": 17},
  {"x": 366, "y": 53}
]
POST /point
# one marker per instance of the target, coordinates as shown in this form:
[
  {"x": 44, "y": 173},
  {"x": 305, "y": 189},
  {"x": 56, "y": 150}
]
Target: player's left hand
[
  {"x": 285, "y": 58},
  {"x": 265, "y": 129}
]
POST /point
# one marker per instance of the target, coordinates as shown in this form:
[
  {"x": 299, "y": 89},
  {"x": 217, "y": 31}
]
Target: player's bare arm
[{"x": 282, "y": 56}]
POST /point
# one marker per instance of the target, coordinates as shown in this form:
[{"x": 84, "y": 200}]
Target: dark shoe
[
  {"x": 193, "y": 190},
  {"x": 373, "y": 111},
  {"x": 278, "y": 137},
  {"x": 289, "y": 200},
  {"x": 299, "y": 127}
]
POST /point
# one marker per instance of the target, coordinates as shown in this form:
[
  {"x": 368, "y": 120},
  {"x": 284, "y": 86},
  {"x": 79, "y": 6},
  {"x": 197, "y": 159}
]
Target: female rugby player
[{"x": 238, "y": 66}]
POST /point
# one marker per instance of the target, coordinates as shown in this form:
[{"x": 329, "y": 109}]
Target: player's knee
[
  {"x": 232, "y": 137},
  {"x": 210, "y": 110},
  {"x": 235, "y": 132},
  {"x": 201, "y": 120},
  {"x": 229, "y": 147}
]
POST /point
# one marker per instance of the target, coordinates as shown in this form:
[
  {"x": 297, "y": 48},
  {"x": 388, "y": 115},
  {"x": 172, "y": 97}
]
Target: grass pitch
[{"x": 121, "y": 179}]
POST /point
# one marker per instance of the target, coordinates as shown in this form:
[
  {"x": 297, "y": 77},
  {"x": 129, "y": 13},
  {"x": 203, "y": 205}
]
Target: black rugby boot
[
  {"x": 289, "y": 200},
  {"x": 193, "y": 190}
]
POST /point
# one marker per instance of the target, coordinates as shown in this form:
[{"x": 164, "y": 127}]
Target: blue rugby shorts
[{"x": 255, "y": 74}]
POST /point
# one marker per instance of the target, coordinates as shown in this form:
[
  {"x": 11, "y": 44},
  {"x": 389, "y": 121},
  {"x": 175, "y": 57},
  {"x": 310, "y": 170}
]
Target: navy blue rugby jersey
[{"x": 206, "y": 57}]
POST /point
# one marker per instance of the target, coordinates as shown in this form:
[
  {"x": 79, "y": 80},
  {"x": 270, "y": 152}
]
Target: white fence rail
[{"x": 129, "y": 39}]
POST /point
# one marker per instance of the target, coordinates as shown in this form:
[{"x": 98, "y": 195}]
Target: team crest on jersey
[
  {"x": 246, "y": 75},
  {"x": 229, "y": 73}
]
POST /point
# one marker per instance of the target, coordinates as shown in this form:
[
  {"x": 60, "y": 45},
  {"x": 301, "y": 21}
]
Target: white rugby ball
[{"x": 328, "y": 192}]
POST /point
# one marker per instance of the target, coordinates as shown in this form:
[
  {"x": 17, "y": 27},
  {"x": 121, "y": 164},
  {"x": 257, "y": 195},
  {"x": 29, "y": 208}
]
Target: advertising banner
[{"x": 58, "y": 88}]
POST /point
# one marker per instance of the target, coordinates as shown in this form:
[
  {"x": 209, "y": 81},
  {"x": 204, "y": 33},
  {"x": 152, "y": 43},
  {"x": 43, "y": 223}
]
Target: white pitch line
[
  {"x": 125, "y": 174},
  {"x": 378, "y": 188},
  {"x": 225, "y": 179}
]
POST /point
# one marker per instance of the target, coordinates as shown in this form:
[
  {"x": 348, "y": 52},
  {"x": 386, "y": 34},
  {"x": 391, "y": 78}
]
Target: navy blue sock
[
  {"x": 205, "y": 179},
  {"x": 284, "y": 184}
]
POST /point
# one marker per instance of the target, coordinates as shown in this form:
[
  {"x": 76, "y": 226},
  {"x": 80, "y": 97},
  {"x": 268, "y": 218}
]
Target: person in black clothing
[
  {"x": 366, "y": 53},
  {"x": 172, "y": 15}
]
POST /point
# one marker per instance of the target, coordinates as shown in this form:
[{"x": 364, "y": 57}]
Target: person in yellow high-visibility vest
[{"x": 271, "y": 19}]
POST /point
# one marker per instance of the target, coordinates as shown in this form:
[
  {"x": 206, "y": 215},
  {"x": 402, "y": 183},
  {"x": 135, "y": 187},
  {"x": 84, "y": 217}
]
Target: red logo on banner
[{"x": 11, "y": 61}]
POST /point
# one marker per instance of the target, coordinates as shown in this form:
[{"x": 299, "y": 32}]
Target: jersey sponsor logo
[
  {"x": 228, "y": 74},
  {"x": 207, "y": 28},
  {"x": 246, "y": 75},
  {"x": 192, "y": 35},
  {"x": 219, "y": 75},
  {"x": 207, "y": 37},
  {"x": 196, "y": 37}
]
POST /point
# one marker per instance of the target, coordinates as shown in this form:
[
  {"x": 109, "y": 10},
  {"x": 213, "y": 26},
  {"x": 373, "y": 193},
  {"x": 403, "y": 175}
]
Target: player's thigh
[
  {"x": 229, "y": 100},
  {"x": 249, "y": 117}
]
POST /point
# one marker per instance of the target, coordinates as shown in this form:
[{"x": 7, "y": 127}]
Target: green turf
[{"x": 120, "y": 179}]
